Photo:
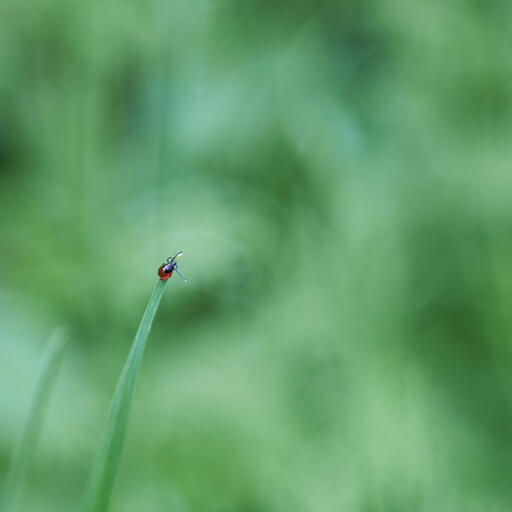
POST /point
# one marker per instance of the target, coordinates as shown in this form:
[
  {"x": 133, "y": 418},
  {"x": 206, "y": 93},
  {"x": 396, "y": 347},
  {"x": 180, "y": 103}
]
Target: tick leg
[{"x": 177, "y": 272}]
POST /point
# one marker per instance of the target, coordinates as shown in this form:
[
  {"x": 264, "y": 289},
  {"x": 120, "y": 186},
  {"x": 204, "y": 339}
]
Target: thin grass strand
[{"x": 25, "y": 447}]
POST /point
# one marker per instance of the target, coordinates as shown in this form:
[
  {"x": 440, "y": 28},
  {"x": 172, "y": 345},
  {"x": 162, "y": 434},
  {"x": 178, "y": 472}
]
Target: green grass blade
[
  {"x": 27, "y": 442},
  {"x": 105, "y": 468}
]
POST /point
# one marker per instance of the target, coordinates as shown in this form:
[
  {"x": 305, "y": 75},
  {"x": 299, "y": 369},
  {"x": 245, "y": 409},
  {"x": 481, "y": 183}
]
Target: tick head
[{"x": 169, "y": 267}]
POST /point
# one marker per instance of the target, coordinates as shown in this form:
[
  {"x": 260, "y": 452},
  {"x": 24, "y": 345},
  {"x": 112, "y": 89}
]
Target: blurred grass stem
[{"x": 25, "y": 448}]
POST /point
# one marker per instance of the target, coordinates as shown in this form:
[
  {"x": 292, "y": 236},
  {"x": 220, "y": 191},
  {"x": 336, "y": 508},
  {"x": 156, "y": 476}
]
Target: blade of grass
[
  {"x": 27, "y": 442},
  {"x": 105, "y": 468}
]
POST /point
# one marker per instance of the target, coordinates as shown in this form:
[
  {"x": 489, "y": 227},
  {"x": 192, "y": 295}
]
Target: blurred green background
[{"x": 338, "y": 175}]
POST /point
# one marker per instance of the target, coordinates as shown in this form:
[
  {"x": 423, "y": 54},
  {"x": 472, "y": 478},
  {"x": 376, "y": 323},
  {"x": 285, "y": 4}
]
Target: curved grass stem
[{"x": 105, "y": 468}]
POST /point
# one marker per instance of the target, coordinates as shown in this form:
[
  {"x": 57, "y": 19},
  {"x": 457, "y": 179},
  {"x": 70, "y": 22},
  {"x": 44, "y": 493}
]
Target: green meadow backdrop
[{"x": 338, "y": 175}]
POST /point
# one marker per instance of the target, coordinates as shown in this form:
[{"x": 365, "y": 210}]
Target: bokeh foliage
[{"x": 338, "y": 177}]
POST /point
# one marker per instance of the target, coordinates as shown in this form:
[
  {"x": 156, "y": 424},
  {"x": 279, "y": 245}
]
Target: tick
[{"x": 166, "y": 269}]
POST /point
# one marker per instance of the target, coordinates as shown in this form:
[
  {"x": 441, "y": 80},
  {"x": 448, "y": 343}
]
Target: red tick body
[{"x": 162, "y": 273}]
